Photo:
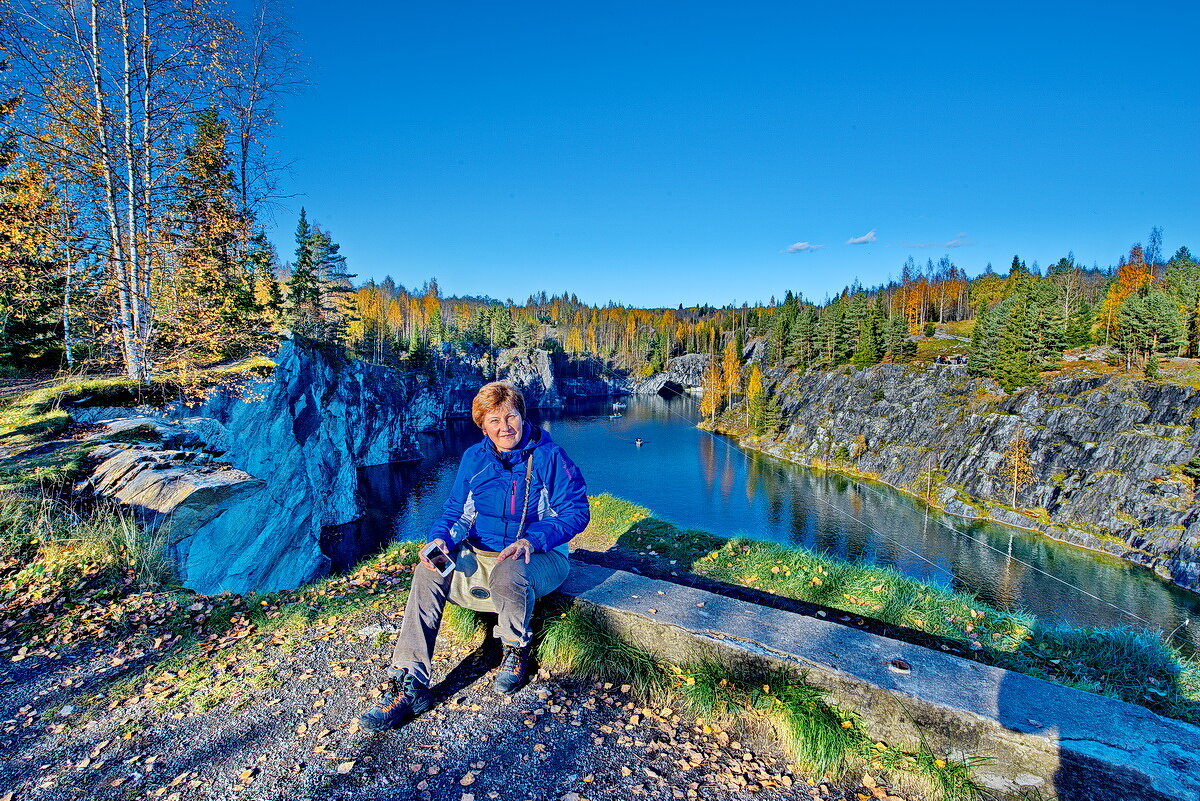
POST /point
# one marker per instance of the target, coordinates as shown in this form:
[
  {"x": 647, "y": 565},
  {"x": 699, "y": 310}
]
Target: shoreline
[{"x": 751, "y": 442}]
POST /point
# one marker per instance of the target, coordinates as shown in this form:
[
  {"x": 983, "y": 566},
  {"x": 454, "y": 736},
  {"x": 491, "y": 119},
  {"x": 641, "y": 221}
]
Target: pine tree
[
  {"x": 319, "y": 303},
  {"x": 869, "y": 348},
  {"x": 803, "y": 340}
]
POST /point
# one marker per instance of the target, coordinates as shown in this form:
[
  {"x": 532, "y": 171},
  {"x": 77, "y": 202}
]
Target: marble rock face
[
  {"x": 1111, "y": 461},
  {"x": 243, "y": 483},
  {"x": 681, "y": 374}
]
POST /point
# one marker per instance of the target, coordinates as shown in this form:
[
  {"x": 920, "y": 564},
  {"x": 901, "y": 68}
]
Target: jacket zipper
[{"x": 512, "y": 504}]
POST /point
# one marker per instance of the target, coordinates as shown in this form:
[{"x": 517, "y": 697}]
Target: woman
[{"x": 516, "y": 502}]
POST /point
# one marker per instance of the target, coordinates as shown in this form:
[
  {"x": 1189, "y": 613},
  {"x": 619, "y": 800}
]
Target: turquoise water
[{"x": 698, "y": 480}]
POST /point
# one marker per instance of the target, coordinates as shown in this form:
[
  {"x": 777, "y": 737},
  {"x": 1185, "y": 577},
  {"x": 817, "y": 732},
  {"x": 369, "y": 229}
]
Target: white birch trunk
[{"x": 117, "y": 256}]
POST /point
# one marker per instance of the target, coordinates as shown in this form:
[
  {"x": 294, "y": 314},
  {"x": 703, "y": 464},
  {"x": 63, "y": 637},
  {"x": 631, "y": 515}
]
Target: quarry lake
[{"x": 699, "y": 480}]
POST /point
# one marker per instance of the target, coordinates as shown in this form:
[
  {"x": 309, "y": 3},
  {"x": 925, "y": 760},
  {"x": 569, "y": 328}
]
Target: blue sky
[{"x": 663, "y": 153}]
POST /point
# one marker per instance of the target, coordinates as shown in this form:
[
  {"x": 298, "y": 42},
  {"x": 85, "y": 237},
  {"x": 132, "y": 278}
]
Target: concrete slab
[{"x": 1033, "y": 734}]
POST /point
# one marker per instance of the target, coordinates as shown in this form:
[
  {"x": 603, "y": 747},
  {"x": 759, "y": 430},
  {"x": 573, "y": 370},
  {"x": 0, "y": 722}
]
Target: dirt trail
[{"x": 277, "y": 720}]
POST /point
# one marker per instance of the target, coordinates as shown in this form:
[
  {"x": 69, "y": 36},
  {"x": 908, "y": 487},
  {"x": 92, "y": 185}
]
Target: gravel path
[{"x": 69, "y": 729}]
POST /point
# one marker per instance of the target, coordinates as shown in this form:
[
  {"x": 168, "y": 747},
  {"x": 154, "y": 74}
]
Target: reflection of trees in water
[
  {"x": 753, "y": 476},
  {"x": 989, "y": 562},
  {"x": 727, "y": 476},
  {"x": 708, "y": 461}
]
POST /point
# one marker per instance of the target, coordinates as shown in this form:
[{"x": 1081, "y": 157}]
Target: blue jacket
[{"x": 485, "y": 502}]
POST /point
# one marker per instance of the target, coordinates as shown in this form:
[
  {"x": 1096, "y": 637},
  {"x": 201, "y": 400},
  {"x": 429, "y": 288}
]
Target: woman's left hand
[{"x": 516, "y": 550}]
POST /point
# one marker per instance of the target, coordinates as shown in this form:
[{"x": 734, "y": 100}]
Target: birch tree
[{"x": 110, "y": 89}]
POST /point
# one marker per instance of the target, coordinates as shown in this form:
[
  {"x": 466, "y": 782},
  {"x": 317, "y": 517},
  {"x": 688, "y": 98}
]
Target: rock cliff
[
  {"x": 546, "y": 380},
  {"x": 242, "y": 484},
  {"x": 681, "y": 374},
  {"x": 1101, "y": 462}
]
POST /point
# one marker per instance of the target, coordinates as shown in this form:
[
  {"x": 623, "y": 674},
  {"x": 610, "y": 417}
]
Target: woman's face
[{"x": 503, "y": 427}]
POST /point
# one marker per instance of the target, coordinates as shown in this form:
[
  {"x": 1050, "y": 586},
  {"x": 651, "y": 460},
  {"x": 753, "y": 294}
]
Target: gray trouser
[{"x": 515, "y": 586}]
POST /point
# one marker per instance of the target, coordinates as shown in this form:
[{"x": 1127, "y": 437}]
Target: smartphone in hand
[{"x": 440, "y": 560}]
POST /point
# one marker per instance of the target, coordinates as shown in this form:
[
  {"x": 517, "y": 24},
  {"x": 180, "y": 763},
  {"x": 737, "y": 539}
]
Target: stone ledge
[{"x": 1033, "y": 734}]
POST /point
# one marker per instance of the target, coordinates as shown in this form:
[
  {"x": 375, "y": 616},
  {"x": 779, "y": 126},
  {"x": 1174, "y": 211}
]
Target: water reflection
[{"x": 690, "y": 477}]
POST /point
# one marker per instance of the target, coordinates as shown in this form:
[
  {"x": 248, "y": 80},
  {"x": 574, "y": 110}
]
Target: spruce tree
[
  {"x": 304, "y": 285},
  {"x": 981, "y": 356},
  {"x": 802, "y": 343},
  {"x": 319, "y": 294},
  {"x": 207, "y": 306},
  {"x": 869, "y": 349},
  {"x": 896, "y": 343},
  {"x": 1079, "y": 327}
]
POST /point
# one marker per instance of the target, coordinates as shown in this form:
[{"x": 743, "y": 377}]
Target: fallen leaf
[{"x": 345, "y": 767}]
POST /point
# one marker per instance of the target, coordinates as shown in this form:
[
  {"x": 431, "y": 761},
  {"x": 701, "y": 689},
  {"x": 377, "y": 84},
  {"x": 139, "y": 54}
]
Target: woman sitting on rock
[{"x": 516, "y": 502}]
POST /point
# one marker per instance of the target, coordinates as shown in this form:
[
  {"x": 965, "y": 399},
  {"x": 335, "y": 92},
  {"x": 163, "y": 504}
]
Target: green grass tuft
[
  {"x": 461, "y": 624},
  {"x": 578, "y": 642},
  {"x": 811, "y": 731}
]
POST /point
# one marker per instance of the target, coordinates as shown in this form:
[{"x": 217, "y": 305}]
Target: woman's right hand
[{"x": 425, "y": 559}]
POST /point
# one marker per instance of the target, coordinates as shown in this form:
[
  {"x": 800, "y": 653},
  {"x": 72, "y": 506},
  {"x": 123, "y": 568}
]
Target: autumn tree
[
  {"x": 1018, "y": 469},
  {"x": 206, "y": 299},
  {"x": 731, "y": 369},
  {"x": 713, "y": 389},
  {"x": 1132, "y": 275},
  {"x": 111, "y": 90}
]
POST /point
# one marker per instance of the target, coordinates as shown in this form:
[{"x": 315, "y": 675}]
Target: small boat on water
[
  {"x": 614, "y": 415},
  {"x": 638, "y": 441}
]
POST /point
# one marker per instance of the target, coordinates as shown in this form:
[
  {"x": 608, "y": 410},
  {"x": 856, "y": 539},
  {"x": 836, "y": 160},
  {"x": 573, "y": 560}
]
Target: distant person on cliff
[{"x": 516, "y": 502}]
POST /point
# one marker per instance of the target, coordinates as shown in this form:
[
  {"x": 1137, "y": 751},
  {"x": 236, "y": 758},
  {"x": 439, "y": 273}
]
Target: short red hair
[{"x": 494, "y": 395}]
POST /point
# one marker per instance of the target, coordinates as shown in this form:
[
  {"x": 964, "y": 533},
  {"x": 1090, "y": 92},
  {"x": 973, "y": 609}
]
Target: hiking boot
[
  {"x": 512, "y": 668},
  {"x": 405, "y": 698}
]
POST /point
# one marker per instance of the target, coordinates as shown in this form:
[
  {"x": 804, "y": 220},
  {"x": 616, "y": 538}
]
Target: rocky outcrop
[
  {"x": 290, "y": 447},
  {"x": 530, "y": 370},
  {"x": 547, "y": 381},
  {"x": 682, "y": 373},
  {"x": 1100, "y": 462}
]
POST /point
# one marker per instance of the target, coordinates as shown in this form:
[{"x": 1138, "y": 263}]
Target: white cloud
[
  {"x": 802, "y": 247},
  {"x": 869, "y": 236}
]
